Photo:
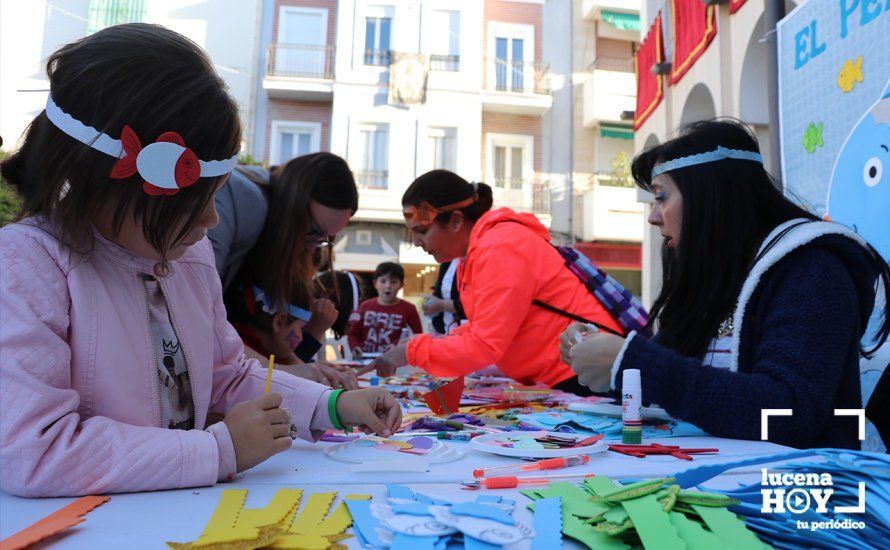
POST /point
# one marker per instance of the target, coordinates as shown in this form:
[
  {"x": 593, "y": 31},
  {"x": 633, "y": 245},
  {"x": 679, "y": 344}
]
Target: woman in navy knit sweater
[{"x": 763, "y": 306}]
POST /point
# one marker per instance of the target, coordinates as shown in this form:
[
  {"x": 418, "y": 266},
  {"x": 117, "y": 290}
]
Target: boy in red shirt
[{"x": 382, "y": 322}]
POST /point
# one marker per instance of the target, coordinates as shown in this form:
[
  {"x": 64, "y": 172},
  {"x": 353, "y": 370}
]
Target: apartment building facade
[
  {"x": 30, "y": 31},
  {"x": 331, "y": 72},
  {"x": 728, "y": 79}
]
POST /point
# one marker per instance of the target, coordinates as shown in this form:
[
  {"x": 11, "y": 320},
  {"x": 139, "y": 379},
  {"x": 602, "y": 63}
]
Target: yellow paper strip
[
  {"x": 281, "y": 509},
  {"x": 339, "y": 520},
  {"x": 312, "y": 514}
]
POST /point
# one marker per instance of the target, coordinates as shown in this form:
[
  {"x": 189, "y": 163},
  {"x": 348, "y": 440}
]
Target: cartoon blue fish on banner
[{"x": 859, "y": 193}]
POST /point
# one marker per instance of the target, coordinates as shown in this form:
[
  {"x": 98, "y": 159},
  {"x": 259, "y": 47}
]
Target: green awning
[
  {"x": 616, "y": 131},
  {"x": 621, "y": 21}
]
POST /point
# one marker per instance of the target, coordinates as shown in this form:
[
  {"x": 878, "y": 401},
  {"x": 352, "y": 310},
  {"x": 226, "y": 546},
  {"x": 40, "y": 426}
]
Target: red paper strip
[
  {"x": 650, "y": 87},
  {"x": 694, "y": 25},
  {"x": 54, "y": 523},
  {"x": 734, "y": 5},
  {"x": 445, "y": 399}
]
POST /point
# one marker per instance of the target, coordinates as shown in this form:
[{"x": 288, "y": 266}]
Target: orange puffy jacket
[{"x": 510, "y": 263}]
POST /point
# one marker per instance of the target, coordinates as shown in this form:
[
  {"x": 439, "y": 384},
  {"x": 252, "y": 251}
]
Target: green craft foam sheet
[
  {"x": 576, "y": 504},
  {"x": 654, "y": 527}
]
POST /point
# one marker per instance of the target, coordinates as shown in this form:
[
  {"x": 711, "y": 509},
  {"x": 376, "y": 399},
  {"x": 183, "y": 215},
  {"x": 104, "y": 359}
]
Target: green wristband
[{"x": 332, "y": 411}]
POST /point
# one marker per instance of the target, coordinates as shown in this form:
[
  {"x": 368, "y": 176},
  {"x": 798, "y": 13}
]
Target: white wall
[
  {"x": 31, "y": 30},
  {"x": 556, "y": 135}
]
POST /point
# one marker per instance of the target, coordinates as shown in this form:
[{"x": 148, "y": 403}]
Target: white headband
[
  {"x": 719, "y": 153},
  {"x": 166, "y": 165},
  {"x": 354, "y": 290}
]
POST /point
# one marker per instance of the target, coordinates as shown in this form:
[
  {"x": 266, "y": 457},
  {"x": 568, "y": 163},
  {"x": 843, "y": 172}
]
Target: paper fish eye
[{"x": 872, "y": 171}]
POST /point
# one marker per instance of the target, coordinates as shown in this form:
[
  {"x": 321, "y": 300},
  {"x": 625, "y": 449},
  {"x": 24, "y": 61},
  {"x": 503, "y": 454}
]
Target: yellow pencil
[{"x": 269, "y": 374}]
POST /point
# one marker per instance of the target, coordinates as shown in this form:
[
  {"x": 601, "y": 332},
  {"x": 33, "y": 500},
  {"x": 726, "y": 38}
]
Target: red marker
[
  {"x": 546, "y": 464},
  {"x": 511, "y": 482}
]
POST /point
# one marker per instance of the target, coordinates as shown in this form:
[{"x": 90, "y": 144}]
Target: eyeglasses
[{"x": 317, "y": 236}]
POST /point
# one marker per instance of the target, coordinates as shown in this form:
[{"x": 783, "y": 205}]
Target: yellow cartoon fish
[{"x": 850, "y": 74}]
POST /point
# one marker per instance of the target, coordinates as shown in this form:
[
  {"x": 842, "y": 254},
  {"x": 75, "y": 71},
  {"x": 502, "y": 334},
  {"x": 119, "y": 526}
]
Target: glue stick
[{"x": 631, "y": 405}]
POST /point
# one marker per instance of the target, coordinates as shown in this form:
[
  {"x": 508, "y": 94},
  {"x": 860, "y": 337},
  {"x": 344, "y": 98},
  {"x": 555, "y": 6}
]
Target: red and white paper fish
[{"x": 166, "y": 165}]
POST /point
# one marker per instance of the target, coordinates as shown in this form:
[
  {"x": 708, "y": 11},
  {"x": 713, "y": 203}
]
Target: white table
[{"x": 147, "y": 520}]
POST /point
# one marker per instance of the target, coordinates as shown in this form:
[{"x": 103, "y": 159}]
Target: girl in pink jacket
[{"x": 114, "y": 344}]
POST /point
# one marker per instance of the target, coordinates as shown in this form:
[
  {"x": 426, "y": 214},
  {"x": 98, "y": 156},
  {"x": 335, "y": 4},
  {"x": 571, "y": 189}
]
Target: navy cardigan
[{"x": 798, "y": 349}]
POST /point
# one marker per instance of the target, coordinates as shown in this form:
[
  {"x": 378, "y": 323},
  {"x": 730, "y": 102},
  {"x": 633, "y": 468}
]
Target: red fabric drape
[
  {"x": 694, "y": 25},
  {"x": 734, "y": 5},
  {"x": 650, "y": 87}
]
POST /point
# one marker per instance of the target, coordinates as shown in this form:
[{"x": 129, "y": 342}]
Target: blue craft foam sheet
[
  {"x": 364, "y": 523},
  {"x": 548, "y": 524},
  {"x": 484, "y": 511}
]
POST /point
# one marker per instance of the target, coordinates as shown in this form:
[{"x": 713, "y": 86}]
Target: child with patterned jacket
[
  {"x": 382, "y": 322},
  {"x": 115, "y": 344}
]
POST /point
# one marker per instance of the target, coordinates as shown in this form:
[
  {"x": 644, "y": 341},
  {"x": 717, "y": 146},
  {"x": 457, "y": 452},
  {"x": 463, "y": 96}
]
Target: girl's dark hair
[
  {"x": 336, "y": 286},
  {"x": 729, "y": 208},
  {"x": 150, "y": 79},
  {"x": 441, "y": 188},
  {"x": 280, "y": 262}
]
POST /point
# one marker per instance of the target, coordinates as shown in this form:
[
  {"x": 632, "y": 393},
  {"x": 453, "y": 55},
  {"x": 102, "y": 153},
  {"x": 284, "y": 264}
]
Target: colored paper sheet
[
  {"x": 314, "y": 511},
  {"x": 650, "y": 87},
  {"x": 652, "y": 523},
  {"x": 55, "y": 523},
  {"x": 728, "y": 528},
  {"x": 445, "y": 399},
  {"x": 548, "y": 524},
  {"x": 364, "y": 522},
  {"x": 694, "y": 24}
]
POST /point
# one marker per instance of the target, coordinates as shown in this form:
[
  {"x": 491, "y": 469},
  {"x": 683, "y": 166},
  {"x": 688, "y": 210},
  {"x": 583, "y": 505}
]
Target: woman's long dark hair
[
  {"x": 280, "y": 263},
  {"x": 729, "y": 207},
  {"x": 144, "y": 76}
]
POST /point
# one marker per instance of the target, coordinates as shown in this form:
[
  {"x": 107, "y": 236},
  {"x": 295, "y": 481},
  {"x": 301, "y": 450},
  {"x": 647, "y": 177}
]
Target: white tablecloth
[{"x": 147, "y": 520}]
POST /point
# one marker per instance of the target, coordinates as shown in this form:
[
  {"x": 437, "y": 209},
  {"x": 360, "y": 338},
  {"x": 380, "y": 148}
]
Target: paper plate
[
  {"x": 355, "y": 452},
  {"x": 609, "y": 409},
  {"x": 488, "y": 444}
]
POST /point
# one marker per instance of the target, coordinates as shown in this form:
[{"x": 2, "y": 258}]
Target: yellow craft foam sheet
[{"x": 292, "y": 518}]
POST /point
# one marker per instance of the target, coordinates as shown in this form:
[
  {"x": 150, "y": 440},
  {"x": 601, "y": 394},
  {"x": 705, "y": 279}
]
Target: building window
[
  {"x": 107, "y": 13},
  {"x": 363, "y": 237},
  {"x": 508, "y": 167},
  {"x": 293, "y": 139},
  {"x": 443, "y": 148},
  {"x": 374, "y": 173},
  {"x": 443, "y": 35},
  {"x": 302, "y": 48},
  {"x": 377, "y": 40},
  {"x": 509, "y": 67}
]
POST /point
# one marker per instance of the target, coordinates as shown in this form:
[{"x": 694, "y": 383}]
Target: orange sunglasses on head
[{"x": 426, "y": 213}]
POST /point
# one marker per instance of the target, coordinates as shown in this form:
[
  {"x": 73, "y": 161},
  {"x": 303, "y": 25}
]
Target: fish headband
[
  {"x": 292, "y": 310},
  {"x": 719, "y": 153},
  {"x": 166, "y": 166},
  {"x": 426, "y": 213}
]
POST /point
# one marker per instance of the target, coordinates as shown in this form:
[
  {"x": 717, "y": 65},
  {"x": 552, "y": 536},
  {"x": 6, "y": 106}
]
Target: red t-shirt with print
[{"x": 377, "y": 328}]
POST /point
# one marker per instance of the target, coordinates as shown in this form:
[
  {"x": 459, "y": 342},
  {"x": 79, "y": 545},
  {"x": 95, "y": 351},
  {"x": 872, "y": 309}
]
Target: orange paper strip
[{"x": 54, "y": 523}]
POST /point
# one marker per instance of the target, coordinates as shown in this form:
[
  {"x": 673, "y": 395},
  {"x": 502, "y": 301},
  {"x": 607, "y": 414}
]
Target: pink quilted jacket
[{"x": 79, "y": 399}]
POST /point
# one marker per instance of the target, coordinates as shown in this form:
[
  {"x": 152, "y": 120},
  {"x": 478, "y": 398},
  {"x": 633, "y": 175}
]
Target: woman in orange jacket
[{"x": 508, "y": 263}]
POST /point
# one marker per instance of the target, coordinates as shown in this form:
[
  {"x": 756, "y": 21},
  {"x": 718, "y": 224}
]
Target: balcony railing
[
  {"x": 444, "y": 62},
  {"x": 381, "y": 58},
  {"x": 300, "y": 60},
  {"x": 525, "y": 77},
  {"x": 522, "y": 195},
  {"x": 617, "y": 64},
  {"x": 372, "y": 179}
]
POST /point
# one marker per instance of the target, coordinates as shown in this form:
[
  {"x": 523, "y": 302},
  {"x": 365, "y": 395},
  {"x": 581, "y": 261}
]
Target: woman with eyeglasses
[
  {"x": 270, "y": 227},
  {"x": 511, "y": 281}
]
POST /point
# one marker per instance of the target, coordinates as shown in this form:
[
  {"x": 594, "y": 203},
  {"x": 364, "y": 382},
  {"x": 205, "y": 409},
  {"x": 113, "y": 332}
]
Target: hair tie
[{"x": 475, "y": 185}]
